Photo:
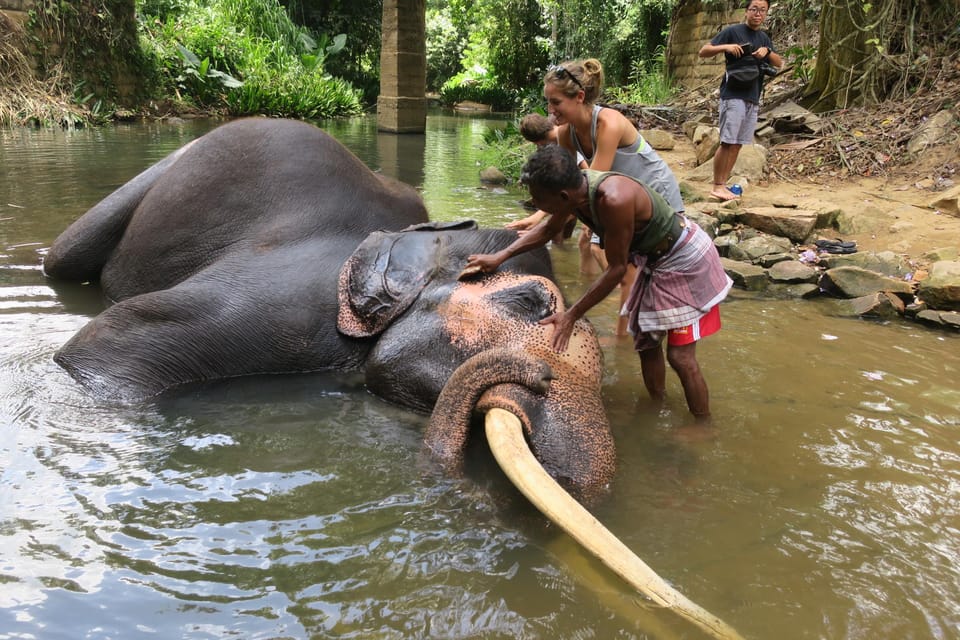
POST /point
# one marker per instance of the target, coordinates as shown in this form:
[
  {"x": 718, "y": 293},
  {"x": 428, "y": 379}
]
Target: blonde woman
[{"x": 606, "y": 140}]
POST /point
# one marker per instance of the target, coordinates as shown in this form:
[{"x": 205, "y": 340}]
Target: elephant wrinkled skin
[{"x": 266, "y": 247}]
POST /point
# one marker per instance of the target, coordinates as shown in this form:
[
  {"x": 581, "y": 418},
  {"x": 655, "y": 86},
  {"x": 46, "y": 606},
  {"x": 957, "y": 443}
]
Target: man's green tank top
[{"x": 648, "y": 238}]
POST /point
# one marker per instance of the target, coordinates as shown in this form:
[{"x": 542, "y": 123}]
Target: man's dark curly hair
[{"x": 551, "y": 167}]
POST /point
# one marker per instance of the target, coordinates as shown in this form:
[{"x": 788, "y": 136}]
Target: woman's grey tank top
[{"x": 638, "y": 160}]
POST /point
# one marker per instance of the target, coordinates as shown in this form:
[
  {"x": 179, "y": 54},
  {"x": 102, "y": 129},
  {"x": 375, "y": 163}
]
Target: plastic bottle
[{"x": 736, "y": 190}]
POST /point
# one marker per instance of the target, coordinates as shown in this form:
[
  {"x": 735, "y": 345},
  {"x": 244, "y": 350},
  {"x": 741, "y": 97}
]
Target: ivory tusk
[{"x": 505, "y": 436}]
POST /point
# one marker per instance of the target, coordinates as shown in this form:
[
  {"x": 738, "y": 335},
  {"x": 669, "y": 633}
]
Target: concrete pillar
[{"x": 402, "y": 105}]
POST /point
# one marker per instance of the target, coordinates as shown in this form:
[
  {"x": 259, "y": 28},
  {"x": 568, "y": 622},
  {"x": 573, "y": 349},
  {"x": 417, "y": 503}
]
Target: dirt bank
[{"x": 895, "y": 206}]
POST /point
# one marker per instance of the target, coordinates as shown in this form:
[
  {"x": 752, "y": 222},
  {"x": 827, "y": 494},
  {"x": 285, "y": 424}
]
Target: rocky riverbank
[{"x": 884, "y": 247}]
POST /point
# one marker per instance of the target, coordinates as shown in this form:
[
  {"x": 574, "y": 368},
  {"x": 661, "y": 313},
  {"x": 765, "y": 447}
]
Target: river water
[{"x": 826, "y": 504}]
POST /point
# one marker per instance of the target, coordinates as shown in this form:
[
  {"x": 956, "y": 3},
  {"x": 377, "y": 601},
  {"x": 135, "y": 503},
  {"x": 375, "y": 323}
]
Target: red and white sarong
[{"x": 677, "y": 289}]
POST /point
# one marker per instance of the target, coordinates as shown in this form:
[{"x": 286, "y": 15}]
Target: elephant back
[{"x": 253, "y": 186}]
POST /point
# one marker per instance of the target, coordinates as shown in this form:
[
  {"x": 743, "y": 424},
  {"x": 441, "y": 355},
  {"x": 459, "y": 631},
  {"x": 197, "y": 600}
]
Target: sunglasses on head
[{"x": 562, "y": 72}]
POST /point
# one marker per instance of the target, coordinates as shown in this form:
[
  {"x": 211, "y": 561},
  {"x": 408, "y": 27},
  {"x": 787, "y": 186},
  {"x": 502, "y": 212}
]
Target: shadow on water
[{"x": 823, "y": 506}]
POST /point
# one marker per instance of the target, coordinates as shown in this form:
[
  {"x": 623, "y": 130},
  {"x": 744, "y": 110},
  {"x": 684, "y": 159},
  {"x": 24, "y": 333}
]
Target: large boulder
[
  {"x": 854, "y": 282},
  {"x": 658, "y": 139},
  {"x": 948, "y": 202},
  {"x": 793, "y": 272},
  {"x": 794, "y": 224},
  {"x": 753, "y": 249},
  {"x": 751, "y": 162},
  {"x": 933, "y": 131},
  {"x": 941, "y": 288},
  {"x": 746, "y": 276}
]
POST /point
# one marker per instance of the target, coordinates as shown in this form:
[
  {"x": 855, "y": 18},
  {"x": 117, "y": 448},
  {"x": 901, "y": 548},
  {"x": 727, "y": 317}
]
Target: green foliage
[
  {"x": 649, "y": 84},
  {"x": 359, "y": 61},
  {"x": 802, "y": 59},
  {"x": 247, "y": 56},
  {"x": 514, "y": 40},
  {"x": 484, "y": 89},
  {"x": 446, "y": 44},
  {"x": 619, "y": 33},
  {"x": 506, "y": 149},
  {"x": 93, "y": 45},
  {"x": 201, "y": 80}
]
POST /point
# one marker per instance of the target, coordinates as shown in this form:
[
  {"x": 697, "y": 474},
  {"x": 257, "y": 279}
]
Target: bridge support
[{"x": 402, "y": 105}]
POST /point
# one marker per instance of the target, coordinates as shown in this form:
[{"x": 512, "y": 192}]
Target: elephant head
[{"x": 453, "y": 346}]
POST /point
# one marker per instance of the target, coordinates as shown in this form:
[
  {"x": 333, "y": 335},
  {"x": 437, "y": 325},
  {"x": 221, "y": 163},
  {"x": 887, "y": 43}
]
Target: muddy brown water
[{"x": 825, "y": 504}]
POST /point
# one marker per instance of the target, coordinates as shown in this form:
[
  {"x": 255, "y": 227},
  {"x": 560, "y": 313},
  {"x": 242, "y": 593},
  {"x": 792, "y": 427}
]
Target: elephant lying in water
[{"x": 265, "y": 246}]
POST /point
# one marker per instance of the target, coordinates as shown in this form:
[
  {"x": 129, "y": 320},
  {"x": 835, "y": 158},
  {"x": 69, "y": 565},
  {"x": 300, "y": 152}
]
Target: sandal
[{"x": 836, "y": 246}]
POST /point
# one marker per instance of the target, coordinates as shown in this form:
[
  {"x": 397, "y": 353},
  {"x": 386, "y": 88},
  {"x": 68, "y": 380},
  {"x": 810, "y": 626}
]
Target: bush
[
  {"x": 484, "y": 91},
  {"x": 247, "y": 57}
]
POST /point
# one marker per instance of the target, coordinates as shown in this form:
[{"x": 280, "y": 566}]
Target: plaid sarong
[{"x": 676, "y": 290}]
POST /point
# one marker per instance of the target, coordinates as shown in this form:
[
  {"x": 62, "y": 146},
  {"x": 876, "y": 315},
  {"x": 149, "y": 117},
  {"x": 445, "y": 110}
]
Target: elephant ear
[
  {"x": 384, "y": 276},
  {"x": 457, "y": 225}
]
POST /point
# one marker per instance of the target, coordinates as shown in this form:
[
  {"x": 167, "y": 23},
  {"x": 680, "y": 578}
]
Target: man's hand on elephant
[
  {"x": 563, "y": 324},
  {"x": 480, "y": 263}
]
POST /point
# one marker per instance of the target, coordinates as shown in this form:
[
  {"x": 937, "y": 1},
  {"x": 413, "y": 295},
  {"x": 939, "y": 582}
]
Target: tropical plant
[{"x": 247, "y": 56}]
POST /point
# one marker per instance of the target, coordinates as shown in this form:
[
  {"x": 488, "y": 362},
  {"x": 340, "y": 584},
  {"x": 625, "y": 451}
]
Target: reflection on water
[{"x": 299, "y": 506}]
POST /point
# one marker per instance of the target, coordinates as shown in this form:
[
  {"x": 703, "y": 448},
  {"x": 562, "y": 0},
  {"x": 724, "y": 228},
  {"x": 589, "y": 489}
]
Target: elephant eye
[{"x": 527, "y": 302}]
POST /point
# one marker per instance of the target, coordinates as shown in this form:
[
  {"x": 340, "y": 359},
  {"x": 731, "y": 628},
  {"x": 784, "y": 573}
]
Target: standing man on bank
[{"x": 745, "y": 47}]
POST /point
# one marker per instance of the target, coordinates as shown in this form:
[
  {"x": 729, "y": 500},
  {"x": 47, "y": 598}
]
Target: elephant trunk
[
  {"x": 449, "y": 425},
  {"x": 509, "y": 447}
]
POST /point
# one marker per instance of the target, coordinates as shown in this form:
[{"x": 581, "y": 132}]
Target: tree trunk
[
  {"x": 874, "y": 51},
  {"x": 841, "y": 58}
]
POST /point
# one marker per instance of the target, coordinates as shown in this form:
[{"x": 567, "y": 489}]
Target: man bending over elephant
[{"x": 680, "y": 281}]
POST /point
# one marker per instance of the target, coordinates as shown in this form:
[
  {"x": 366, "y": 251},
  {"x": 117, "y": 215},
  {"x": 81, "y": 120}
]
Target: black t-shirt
[{"x": 740, "y": 34}]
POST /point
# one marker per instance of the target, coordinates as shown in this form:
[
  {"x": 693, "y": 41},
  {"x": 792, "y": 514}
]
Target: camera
[{"x": 768, "y": 69}]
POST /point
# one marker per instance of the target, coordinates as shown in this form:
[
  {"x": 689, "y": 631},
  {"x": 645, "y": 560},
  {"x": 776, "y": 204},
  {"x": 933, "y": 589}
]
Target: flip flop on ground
[{"x": 836, "y": 246}]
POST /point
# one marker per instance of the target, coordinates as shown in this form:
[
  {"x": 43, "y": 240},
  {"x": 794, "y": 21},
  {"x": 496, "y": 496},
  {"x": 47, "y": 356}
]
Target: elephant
[{"x": 266, "y": 247}]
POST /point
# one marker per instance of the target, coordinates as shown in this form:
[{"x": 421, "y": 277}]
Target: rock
[
  {"x": 493, "y": 175},
  {"x": 940, "y": 319},
  {"x": 783, "y": 204},
  {"x": 878, "y": 305},
  {"x": 865, "y": 220},
  {"x": 723, "y": 244},
  {"x": 690, "y": 126},
  {"x": 469, "y": 106},
  {"x": 792, "y": 272},
  {"x": 951, "y": 319},
  {"x": 795, "y": 224},
  {"x": 752, "y": 249},
  {"x": 948, "y": 203},
  {"x": 827, "y": 217},
  {"x": 658, "y": 139},
  {"x": 771, "y": 259},
  {"x": 936, "y": 255},
  {"x": 791, "y": 118},
  {"x": 706, "y": 141},
  {"x": 941, "y": 288},
  {"x": 934, "y": 130},
  {"x": 854, "y": 282},
  {"x": 801, "y": 290},
  {"x": 745, "y": 276},
  {"x": 886, "y": 262},
  {"x": 705, "y": 221},
  {"x": 751, "y": 163}
]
